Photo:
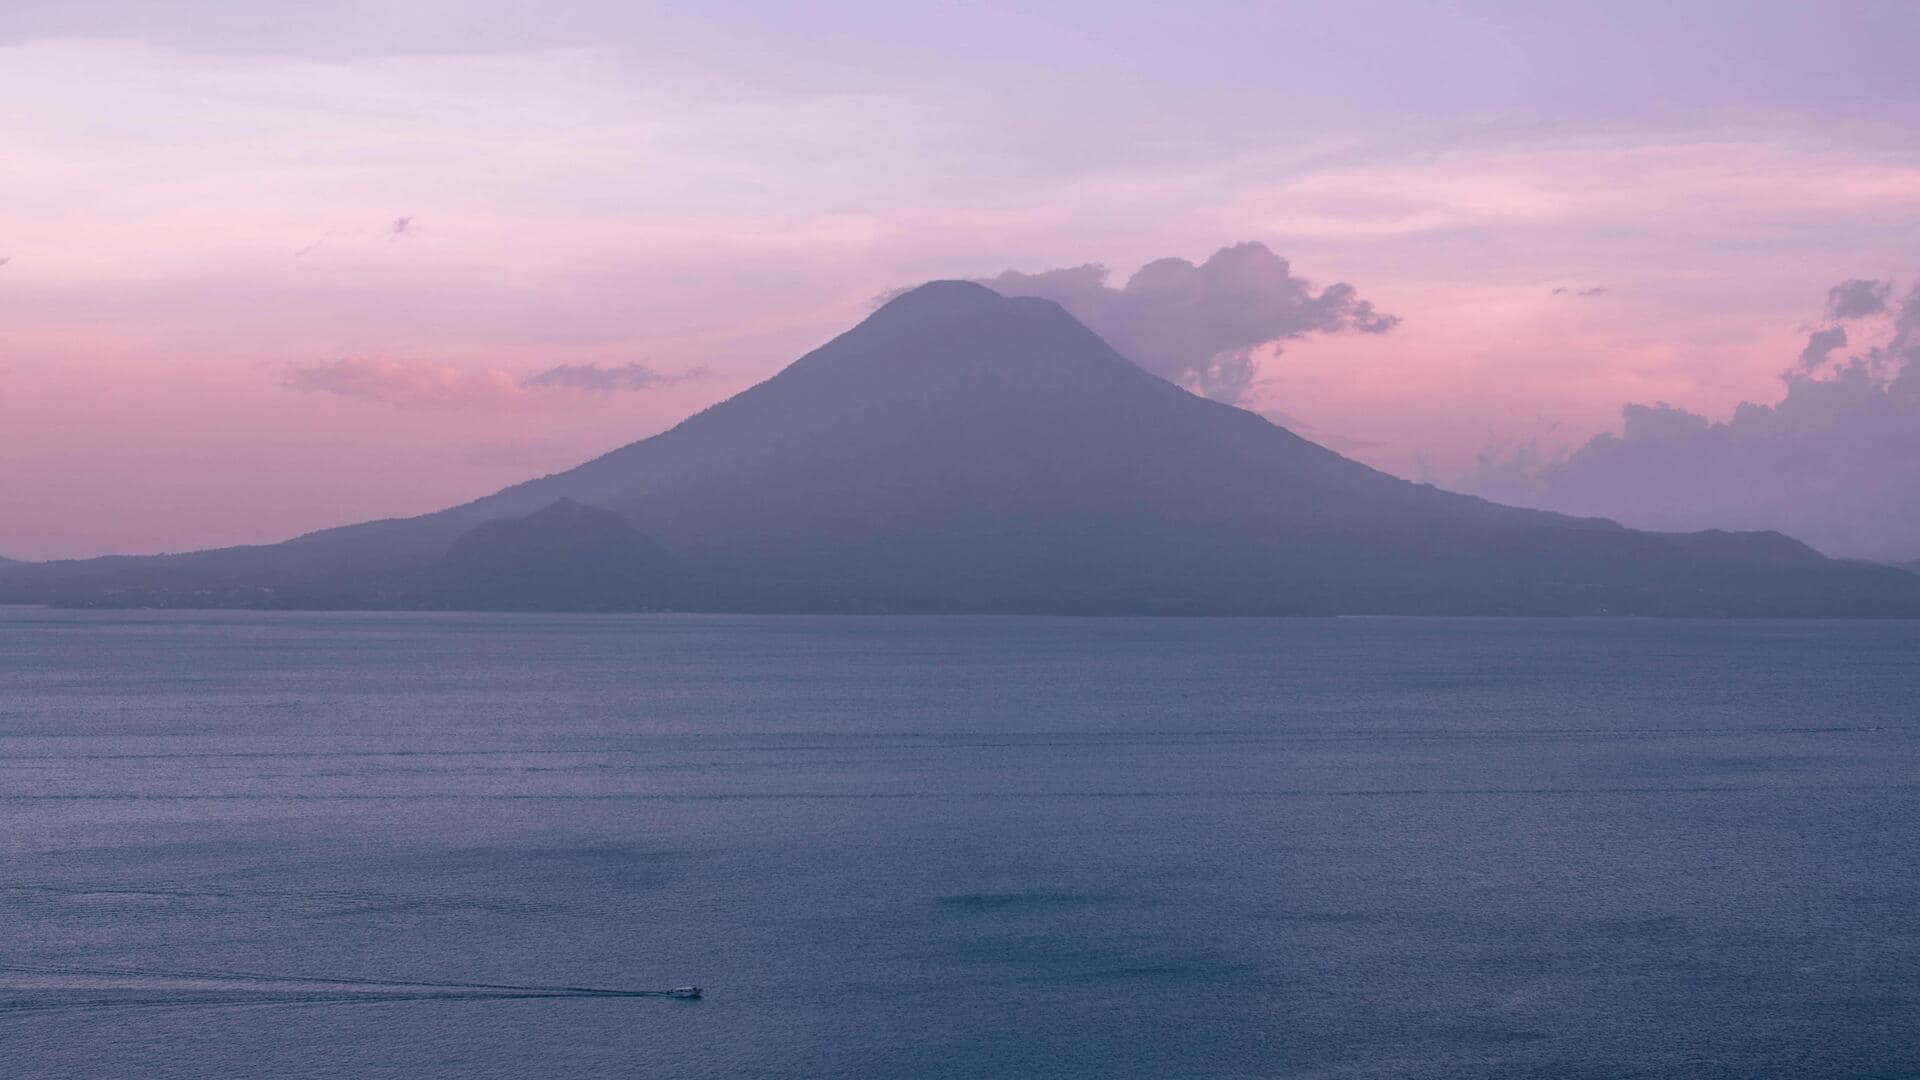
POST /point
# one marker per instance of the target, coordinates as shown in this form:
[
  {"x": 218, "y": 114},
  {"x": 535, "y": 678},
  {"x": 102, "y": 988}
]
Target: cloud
[
  {"x": 1597, "y": 290},
  {"x": 1820, "y": 345},
  {"x": 1857, "y": 298},
  {"x": 5, "y": 259},
  {"x": 417, "y": 384},
  {"x": 597, "y": 379},
  {"x": 1509, "y": 465},
  {"x": 1832, "y": 462},
  {"x": 407, "y": 384},
  {"x": 402, "y": 226},
  {"x": 1201, "y": 326}
]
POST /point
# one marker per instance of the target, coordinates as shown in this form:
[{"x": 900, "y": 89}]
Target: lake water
[{"x": 957, "y": 847}]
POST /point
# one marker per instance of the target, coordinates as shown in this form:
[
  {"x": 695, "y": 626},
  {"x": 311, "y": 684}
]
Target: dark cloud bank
[
  {"x": 1834, "y": 462},
  {"x": 1201, "y": 326}
]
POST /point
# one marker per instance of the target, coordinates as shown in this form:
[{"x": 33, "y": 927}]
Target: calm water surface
[{"x": 957, "y": 847}]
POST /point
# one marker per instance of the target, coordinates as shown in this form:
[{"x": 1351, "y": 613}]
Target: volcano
[{"x": 962, "y": 451}]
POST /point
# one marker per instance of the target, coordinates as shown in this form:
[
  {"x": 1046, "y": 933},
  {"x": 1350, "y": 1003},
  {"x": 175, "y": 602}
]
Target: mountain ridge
[{"x": 963, "y": 451}]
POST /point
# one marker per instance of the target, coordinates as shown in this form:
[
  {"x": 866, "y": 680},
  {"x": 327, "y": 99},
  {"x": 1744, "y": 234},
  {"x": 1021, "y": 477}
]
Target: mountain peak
[
  {"x": 945, "y": 334},
  {"x": 944, "y": 295},
  {"x": 944, "y": 306}
]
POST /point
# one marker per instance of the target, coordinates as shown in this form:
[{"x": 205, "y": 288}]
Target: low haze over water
[{"x": 956, "y": 847}]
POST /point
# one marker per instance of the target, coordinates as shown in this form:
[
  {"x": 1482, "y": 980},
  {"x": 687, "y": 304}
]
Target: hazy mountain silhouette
[
  {"x": 565, "y": 557},
  {"x": 962, "y": 451}
]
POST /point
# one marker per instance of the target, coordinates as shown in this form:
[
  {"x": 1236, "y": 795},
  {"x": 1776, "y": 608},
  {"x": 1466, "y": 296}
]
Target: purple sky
[{"x": 283, "y": 265}]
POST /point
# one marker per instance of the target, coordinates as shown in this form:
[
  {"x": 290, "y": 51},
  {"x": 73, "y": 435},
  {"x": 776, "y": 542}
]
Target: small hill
[{"x": 567, "y": 556}]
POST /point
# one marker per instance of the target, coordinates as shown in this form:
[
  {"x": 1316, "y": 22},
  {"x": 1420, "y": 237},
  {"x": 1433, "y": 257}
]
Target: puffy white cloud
[{"x": 1201, "y": 326}]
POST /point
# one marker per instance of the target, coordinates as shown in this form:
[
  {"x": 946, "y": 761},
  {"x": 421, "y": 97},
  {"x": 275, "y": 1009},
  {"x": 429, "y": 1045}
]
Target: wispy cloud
[
  {"x": 417, "y": 384},
  {"x": 403, "y": 383},
  {"x": 602, "y": 380}
]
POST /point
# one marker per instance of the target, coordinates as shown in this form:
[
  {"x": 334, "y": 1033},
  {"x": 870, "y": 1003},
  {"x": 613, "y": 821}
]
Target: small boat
[{"x": 690, "y": 993}]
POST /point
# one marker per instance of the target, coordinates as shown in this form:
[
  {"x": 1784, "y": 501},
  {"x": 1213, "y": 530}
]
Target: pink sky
[{"x": 211, "y": 331}]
